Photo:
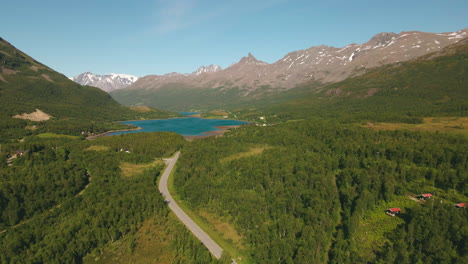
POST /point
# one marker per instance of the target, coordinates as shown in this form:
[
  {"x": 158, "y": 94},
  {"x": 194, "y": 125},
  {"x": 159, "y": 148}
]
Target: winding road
[{"x": 214, "y": 248}]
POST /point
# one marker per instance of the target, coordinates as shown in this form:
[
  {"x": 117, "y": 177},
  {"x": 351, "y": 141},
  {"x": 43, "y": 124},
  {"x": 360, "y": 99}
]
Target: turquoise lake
[{"x": 187, "y": 126}]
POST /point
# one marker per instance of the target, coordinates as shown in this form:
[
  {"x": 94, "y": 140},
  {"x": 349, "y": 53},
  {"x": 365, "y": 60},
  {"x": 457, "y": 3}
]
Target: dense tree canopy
[
  {"x": 302, "y": 199},
  {"x": 49, "y": 215}
]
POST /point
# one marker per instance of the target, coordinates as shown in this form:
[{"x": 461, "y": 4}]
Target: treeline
[
  {"x": 301, "y": 200},
  {"x": 112, "y": 206}
]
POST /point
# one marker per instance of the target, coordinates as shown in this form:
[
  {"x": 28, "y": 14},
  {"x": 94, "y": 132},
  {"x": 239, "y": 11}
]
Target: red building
[
  {"x": 393, "y": 211},
  {"x": 460, "y": 205},
  {"x": 425, "y": 196}
]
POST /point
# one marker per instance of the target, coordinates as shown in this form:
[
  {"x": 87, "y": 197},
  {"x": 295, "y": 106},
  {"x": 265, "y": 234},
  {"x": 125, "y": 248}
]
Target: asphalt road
[{"x": 214, "y": 248}]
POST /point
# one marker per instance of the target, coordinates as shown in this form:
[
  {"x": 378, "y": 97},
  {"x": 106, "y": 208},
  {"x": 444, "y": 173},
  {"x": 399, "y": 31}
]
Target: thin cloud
[{"x": 174, "y": 15}]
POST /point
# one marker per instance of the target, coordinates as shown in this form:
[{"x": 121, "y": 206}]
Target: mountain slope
[
  {"x": 109, "y": 82},
  {"x": 432, "y": 85},
  {"x": 27, "y": 85},
  {"x": 251, "y": 79}
]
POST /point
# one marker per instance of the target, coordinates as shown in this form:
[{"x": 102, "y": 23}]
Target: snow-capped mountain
[
  {"x": 323, "y": 64},
  {"x": 108, "y": 83},
  {"x": 207, "y": 69}
]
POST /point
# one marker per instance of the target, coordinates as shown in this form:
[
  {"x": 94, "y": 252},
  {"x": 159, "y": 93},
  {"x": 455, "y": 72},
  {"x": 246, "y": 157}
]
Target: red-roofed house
[
  {"x": 393, "y": 211},
  {"x": 425, "y": 196},
  {"x": 460, "y": 205}
]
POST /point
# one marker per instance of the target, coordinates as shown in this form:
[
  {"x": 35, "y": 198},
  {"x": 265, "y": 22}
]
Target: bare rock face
[
  {"x": 320, "y": 63},
  {"x": 107, "y": 83}
]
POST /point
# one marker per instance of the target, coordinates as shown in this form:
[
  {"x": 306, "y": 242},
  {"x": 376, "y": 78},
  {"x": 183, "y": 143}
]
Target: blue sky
[{"x": 144, "y": 37}]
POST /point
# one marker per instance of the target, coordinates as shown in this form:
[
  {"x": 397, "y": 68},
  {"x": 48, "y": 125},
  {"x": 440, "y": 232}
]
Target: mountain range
[
  {"x": 116, "y": 81},
  {"x": 251, "y": 77}
]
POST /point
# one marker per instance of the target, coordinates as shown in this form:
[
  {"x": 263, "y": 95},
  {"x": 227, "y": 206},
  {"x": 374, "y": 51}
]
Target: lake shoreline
[
  {"x": 111, "y": 131},
  {"x": 221, "y": 130}
]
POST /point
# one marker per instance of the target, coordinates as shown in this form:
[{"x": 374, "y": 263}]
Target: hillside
[
  {"x": 27, "y": 85},
  {"x": 432, "y": 85},
  {"x": 250, "y": 79}
]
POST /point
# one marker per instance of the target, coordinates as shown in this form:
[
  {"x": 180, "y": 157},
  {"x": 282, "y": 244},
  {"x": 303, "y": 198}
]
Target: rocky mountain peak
[
  {"x": 250, "y": 59},
  {"x": 207, "y": 69},
  {"x": 382, "y": 39}
]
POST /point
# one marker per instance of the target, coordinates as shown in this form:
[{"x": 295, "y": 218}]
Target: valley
[{"x": 329, "y": 155}]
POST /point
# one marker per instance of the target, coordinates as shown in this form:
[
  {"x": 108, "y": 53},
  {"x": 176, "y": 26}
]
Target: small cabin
[
  {"x": 20, "y": 152},
  {"x": 393, "y": 211},
  {"x": 460, "y": 205},
  {"x": 125, "y": 150},
  {"x": 425, "y": 196}
]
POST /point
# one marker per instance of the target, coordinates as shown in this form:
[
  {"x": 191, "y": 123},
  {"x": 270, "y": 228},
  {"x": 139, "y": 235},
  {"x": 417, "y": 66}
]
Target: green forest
[
  {"x": 310, "y": 191},
  {"x": 67, "y": 198},
  {"x": 310, "y": 194}
]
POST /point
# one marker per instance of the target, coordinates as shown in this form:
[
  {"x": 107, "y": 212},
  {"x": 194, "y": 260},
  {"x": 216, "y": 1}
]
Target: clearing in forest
[
  {"x": 458, "y": 125},
  {"x": 150, "y": 244},
  {"x": 375, "y": 224},
  {"x": 54, "y": 135},
  {"x": 225, "y": 229},
  {"x": 141, "y": 109},
  {"x": 97, "y": 148},
  {"x": 253, "y": 151},
  {"x": 216, "y": 114},
  {"x": 129, "y": 169}
]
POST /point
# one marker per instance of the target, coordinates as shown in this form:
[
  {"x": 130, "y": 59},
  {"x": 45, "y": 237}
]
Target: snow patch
[
  {"x": 351, "y": 58},
  {"x": 124, "y": 76},
  {"x": 343, "y": 48},
  {"x": 299, "y": 57}
]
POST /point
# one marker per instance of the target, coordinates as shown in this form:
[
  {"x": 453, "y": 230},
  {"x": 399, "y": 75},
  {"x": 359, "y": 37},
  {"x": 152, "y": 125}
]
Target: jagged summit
[{"x": 250, "y": 59}]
